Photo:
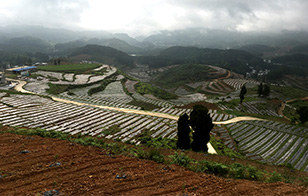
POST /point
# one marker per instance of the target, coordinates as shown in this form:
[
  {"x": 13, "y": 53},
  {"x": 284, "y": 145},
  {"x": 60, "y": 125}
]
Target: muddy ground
[{"x": 35, "y": 165}]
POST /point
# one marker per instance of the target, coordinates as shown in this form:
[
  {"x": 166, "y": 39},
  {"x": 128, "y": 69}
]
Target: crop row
[
  {"x": 238, "y": 83},
  {"x": 178, "y": 111},
  {"x": 274, "y": 142},
  {"x": 34, "y": 111}
]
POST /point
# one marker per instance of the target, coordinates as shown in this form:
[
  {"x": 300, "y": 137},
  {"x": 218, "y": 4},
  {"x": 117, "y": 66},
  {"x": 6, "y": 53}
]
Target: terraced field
[
  {"x": 272, "y": 142},
  {"x": 35, "y": 111},
  {"x": 238, "y": 83},
  {"x": 267, "y": 141}
]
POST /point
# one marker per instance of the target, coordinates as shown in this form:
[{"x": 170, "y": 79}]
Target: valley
[{"x": 129, "y": 105}]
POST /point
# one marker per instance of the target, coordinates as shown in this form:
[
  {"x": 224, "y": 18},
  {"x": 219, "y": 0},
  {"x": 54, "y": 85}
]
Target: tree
[
  {"x": 266, "y": 90},
  {"x": 183, "y": 132},
  {"x": 243, "y": 92},
  {"x": 201, "y": 122},
  {"x": 303, "y": 114},
  {"x": 260, "y": 89}
]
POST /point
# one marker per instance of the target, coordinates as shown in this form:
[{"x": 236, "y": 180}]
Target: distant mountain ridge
[
  {"x": 235, "y": 60},
  {"x": 103, "y": 54},
  {"x": 198, "y": 37}
]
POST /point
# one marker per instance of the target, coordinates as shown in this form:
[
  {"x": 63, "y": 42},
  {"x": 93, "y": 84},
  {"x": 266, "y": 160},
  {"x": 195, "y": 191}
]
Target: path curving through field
[
  {"x": 19, "y": 88},
  {"x": 283, "y": 105}
]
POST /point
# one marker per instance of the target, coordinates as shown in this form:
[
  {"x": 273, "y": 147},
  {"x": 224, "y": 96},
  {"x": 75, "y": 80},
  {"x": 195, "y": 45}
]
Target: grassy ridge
[
  {"x": 290, "y": 92},
  {"x": 145, "y": 88},
  {"x": 69, "y": 68},
  {"x": 184, "y": 74}
]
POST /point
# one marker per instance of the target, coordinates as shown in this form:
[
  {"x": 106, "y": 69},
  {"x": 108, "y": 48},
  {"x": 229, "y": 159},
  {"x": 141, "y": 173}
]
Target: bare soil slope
[{"x": 34, "y": 165}]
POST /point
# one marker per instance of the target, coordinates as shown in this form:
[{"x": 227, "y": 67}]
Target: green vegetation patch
[
  {"x": 69, "y": 68},
  {"x": 147, "y": 140},
  {"x": 222, "y": 149},
  {"x": 100, "y": 88},
  {"x": 111, "y": 130},
  {"x": 145, "y": 88},
  {"x": 143, "y": 105},
  {"x": 56, "y": 89},
  {"x": 184, "y": 74},
  {"x": 290, "y": 92}
]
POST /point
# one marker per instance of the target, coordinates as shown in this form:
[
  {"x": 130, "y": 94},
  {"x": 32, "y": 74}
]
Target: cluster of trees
[
  {"x": 303, "y": 114},
  {"x": 201, "y": 124},
  {"x": 263, "y": 90},
  {"x": 243, "y": 92},
  {"x": 57, "y": 61}
]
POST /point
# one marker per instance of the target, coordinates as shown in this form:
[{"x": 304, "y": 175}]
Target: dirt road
[
  {"x": 283, "y": 105},
  {"x": 20, "y": 85}
]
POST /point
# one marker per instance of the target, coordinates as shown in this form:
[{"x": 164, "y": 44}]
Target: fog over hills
[{"x": 199, "y": 37}]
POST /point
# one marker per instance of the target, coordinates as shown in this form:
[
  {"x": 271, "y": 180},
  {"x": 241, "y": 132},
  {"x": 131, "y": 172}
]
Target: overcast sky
[{"x": 137, "y": 17}]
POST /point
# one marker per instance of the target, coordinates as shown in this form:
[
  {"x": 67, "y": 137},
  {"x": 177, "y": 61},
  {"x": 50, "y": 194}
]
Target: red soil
[{"x": 91, "y": 171}]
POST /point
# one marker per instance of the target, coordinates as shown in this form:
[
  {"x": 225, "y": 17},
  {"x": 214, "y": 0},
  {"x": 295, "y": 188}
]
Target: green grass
[
  {"x": 56, "y": 89},
  {"x": 145, "y": 88},
  {"x": 143, "y": 105},
  {"x": 291, "y": 112},
  {"x": 100, "y": 88},
  {"x": 111, "y": 130},
  {"x": 183, "y": 74},
  {"x": 222, "y": 149},
  {"x": 69, "y": 68},
  {"x": 147, "y": 140},
  {"x": 290, "y": 92}
]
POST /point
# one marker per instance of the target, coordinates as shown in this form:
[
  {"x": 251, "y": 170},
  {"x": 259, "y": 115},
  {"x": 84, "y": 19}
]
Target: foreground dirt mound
[{"x": 37, "y": 166}]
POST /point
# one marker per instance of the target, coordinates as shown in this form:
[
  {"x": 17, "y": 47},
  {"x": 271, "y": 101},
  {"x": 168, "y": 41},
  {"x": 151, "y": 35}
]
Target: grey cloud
[
  {"x": 260, "y": 15},
  {"x": 52, "y": 13},
  {"x": 241, "y": 15}
]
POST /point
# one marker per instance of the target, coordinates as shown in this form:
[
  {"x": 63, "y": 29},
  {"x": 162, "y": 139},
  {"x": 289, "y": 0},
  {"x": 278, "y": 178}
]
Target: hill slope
[
  {"x": 103, "y": 54},
  {"x": 235, "y": 60},
  {"x": 72, "y": 169}
]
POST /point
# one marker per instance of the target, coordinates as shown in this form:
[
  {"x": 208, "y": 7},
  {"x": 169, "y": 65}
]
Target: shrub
[
  {"x": 90, "y": 141},
  {"x": 274, "y": 177},
  {"x": 146, "y": 139},
  {"x": 145, "y": 88},
  {"x": 304, "y": 181},
  {"x": 156, "y": 156},
  {"x": 102, "y": 87},
  {"x": 180, "y": 159}
]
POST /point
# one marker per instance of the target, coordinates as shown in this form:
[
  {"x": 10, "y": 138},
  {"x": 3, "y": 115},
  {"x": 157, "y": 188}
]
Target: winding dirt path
[
  {"x": 283, "y": 105},
  {"x": 19, "y": 87}
]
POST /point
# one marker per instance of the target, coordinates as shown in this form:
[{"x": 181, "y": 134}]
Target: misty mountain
[
  {"x": 67, "y": 47},
  {"x": 58, "y": 35},
  {"x": 235, "y": 60},
  {"x": 47, "y": 34},
  {"x": 126, "y": 38},
  {"x": 258, "y": 49},
  {"x": 300, "y": 49},
  {"x": 26, "y": 44},
  {"x": 118, "y": 44},
  {"x": 293, "y": 59},
  {"x": 222, "y": 39},
  {"x": 103, "y": 54},
  {"x": 196, "y": 37}
]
